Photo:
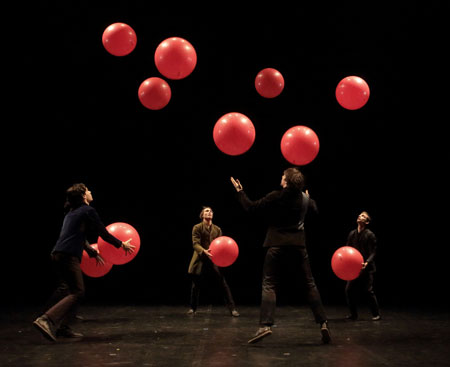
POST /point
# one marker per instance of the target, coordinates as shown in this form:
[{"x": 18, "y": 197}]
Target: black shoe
[
  {"x": 44, "y": 325},
  {"x": 326, "y": 338},
  {"x": 260, "y": 334},
  {"x": 376, "y": 318},
  {"x": 66, "y": 332},
  {"x": 351, "y": 317},
  {"x": 234, "y": 313}
]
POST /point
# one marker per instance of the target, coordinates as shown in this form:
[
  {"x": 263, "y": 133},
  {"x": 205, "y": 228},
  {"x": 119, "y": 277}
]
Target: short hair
[
  {"x": 75, "y": 196},
  {"x": 294, "y": 178},
  {"x": 203, "y": 209}
]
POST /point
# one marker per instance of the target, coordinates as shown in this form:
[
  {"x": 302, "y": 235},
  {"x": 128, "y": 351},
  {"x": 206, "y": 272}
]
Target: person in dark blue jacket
[
  {"x": 80, "y": 221},
  {"x": 284, "y": 212}
]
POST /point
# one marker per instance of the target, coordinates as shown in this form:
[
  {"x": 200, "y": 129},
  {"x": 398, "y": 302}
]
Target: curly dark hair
[
  {"x": 75, "y": 196},
  {"x": 294, "y": 178}
]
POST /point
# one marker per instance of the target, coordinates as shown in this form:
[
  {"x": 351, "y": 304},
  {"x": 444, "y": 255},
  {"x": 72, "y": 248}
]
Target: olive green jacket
[{"x": 201, "y": 239}]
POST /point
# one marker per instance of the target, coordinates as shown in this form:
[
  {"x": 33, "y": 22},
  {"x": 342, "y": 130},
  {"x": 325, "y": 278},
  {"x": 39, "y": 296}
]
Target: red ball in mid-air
[
  {"x": 347, "y": 263},
  {"x": 224, "y": 251},
  {"x": 119, "y": 39},
  {"x": 154, "y": 93},
  {"x": 234, "y": 133},
  {"x": 175, "y": 58},
  {"x": 123, "y": 232},
  {"x": 352, "y": 92},
  {"x": 269, "y": 83},
  {"x": 300, "y": 145}
]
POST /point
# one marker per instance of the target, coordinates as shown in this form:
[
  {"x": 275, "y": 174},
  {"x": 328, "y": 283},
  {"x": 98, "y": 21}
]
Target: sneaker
[
  {"x": 66, "y": 332},
  {"x": 191, "y": 312},
  {"x": 44, "y": 325},
  {"x": 376, "y": 318},
  {"x": 326, "y": 338},
  {"x": 260, "y": 334},
  {"x": 234, "y": 313}
]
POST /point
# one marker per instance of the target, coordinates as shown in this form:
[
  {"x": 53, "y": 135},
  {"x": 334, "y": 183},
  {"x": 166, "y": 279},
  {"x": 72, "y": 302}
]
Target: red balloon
[
  {"x": 234, "y": 133},
  {"x": 299, "y": 145},
  {"x": 224, "y": 251},
  {"x": 269, "y": 83},
  {"x": 90, "y": 267},
  {"x": 123, "y": 232},
  {"x": 119, "y": 39},
  {"x": 154, "y": 93},
  {"x": 347, "y": 263},
  {"x": 352, "y": 92},
  {"x": 175, "y": 58}
]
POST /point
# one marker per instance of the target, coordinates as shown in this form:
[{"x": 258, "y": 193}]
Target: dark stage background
[{"x": 77, "y": 118}]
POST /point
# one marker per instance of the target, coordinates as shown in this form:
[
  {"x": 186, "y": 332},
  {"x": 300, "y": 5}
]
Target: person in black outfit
[
  {"x": 364, "y": 240},
  {"x": 284, "y": 210},
  {"x": 80, "y": 221}
]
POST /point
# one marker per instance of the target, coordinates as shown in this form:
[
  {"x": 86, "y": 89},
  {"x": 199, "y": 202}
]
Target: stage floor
[{"x": 140, "y": 335}]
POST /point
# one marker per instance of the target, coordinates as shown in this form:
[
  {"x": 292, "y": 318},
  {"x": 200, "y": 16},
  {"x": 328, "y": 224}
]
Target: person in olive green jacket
[{"x": 201, "y": 265}]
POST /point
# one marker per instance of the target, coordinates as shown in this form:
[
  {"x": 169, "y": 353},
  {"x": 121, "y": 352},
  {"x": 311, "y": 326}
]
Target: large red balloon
[
  {"x": 224, "y": 251},
  {"x": 234, "y": 133},
  {"x": 175, "y": 58},
  {"x": 90, "y": 267},
  {"x": 119, "y": 39},
  {"x": 154, "y": 93},
  {"x": 352, "y": 92},
  {"x": 123, "y": 232},
  {"x": 347, "y": 263},
  {"x": 300, "y": 145},
  {"x": 269, "y": 83}
]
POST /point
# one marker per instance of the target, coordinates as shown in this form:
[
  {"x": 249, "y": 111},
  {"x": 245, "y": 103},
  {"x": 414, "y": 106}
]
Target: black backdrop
[{"x": 77, "y": 118}]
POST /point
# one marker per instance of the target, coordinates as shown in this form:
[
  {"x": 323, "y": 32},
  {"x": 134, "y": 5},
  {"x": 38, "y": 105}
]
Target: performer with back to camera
[{"x": 284, "y": 211}]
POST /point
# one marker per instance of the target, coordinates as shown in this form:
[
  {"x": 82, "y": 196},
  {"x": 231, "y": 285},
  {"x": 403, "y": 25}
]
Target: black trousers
[
  {"x": 69, "y": 292},
  {"x": 364, "y": 284},
  {"x": 210, "y": 270},
  {"x": 277, "y": 260}
]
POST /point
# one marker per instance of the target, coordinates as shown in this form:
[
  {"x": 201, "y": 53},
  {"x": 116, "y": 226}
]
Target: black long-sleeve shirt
[
  {"x": 366, "y": 243},
  {"x": 77, "y": 225},
  {"x": 284, "y": 211}
]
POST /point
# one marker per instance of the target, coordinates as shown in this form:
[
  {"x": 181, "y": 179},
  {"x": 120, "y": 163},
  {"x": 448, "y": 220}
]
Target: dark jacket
[
  {"x": 78, "y": 224},
  {"x": 366, "y": 243},
  {"x": 201, "y": 239},
  {"x": 284, "y": 213}
]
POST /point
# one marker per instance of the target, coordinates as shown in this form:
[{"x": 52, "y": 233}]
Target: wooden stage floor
[{"x": 143, "y": 335}]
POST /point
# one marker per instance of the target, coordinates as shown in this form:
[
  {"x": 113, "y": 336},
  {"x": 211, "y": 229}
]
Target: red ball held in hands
[
  {"x": 224, "y": 251},
  {"x": 347, "y": 263},
  {"x": 91, "y": 268},
  {"x": 123, "y": 232}
]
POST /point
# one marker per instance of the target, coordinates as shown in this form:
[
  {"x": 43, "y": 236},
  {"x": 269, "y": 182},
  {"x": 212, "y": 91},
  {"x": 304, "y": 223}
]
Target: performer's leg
[
  {"x": 195, "y": 291},
  {"x": 70, "y": 271},
  {"x": 312, "y": 293},
  {"x": 269, "y": 286},
  {"x": 228, "y": 297},
  {"x": 351, "y": 298}
]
